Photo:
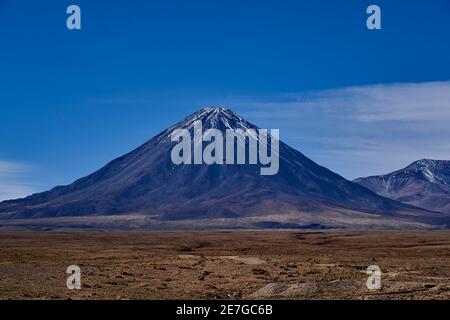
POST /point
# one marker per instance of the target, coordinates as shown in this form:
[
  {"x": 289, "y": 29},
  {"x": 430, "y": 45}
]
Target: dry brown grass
[{"x": 230, "y": 265}]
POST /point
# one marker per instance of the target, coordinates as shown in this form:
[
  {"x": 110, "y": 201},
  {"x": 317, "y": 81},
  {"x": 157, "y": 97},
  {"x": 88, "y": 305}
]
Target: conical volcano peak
[
  {"x": 210, "y": 118},
  {"x": 217, "y": 112},
  {"x": 214, "y": 113},
  {"x": 217, "y": 118},
  {"x": 212, "y": 109}
]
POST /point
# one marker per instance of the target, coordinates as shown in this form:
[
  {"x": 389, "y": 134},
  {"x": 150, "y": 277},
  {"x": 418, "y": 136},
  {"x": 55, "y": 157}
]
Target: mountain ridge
[{"x": 424, "y": 183}]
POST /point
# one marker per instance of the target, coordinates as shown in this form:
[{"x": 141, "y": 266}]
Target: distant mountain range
[
  {"x": 424, "y": 183},
  {"x": 145, "y": 189}
]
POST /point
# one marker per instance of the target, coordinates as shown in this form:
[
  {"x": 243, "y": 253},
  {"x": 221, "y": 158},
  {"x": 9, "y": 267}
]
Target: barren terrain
[{"x": 224, "y": 265}]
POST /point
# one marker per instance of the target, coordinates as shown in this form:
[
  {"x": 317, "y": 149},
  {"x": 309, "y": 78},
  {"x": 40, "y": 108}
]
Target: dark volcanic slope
[
  {"x": 424, "y": 183},
  {"x": 145, "y": 181}
]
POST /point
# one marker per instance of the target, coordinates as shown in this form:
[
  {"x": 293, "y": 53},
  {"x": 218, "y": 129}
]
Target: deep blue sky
[{"x": 70, "y": 101}]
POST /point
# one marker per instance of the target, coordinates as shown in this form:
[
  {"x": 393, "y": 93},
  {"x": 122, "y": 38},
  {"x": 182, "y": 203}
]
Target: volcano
[{"x": 145, "y": 189}]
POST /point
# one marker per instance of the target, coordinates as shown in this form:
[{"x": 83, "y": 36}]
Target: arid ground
[{"x": 224, "y": 265}]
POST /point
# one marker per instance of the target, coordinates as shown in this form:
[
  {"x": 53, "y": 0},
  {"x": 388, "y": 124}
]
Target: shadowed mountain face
[
  {"x": 424, "y": 183},
  {"x": 147, "y": 182}
]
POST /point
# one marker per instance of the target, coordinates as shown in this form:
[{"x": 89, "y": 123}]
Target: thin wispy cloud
[
  {"x": 13, "y": 183},
  {"x": 11, "y": 190},
  {"x": 361, "y": 130},
  {"x": 10, "y": 167},
  {"x": 396, "y": 102}
]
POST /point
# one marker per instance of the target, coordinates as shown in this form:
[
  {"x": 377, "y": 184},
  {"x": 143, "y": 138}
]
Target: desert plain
[{"x": 224, "y": 265}]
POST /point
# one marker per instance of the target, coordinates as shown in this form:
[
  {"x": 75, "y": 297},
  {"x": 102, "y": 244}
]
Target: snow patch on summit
[{"x": 212, "y": 117}]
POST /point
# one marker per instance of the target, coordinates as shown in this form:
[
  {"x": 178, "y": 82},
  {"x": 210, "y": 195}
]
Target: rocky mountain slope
[{"x": 424, "y": 183}]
